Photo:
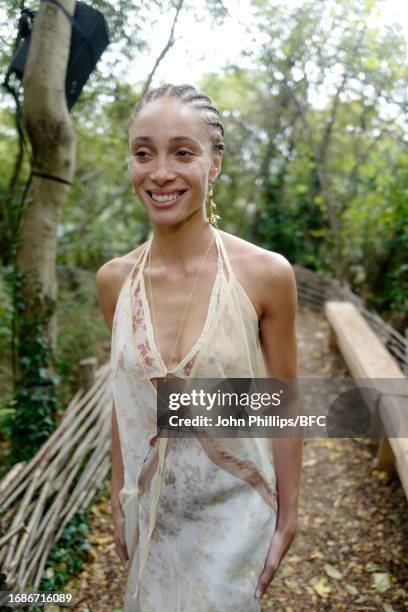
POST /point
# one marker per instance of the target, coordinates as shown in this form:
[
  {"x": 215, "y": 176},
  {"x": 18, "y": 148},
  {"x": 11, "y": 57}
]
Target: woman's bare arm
[
  {"x": 109, "y": 279},
  {"x": 278, "y": 340}
]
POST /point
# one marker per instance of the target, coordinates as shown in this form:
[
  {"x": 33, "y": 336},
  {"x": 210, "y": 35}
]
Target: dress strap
[
  {"x": 219, "y": 257},
  {"x": 221, "y": 247},
  {"x": 239, "y": 313},
  {"x": 140, "y": 260}
]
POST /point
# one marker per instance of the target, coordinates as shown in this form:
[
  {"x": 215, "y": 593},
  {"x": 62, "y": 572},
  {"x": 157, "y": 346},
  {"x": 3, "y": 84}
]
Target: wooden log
[
  {"x": 54, "y": 443},
  {"x": 367, "y": 358},
  {"x": 11, "y": 533},
  {"x": 24, "y": 545},
  {"x": 11, "y": 475},
  {"x": 100, "y": 476},
  {"x": 47, "y": 530},
  {"x": 19, "y": 517},
  {"x": 83, "y": 492},
  {"x": 81, "y": 443}
]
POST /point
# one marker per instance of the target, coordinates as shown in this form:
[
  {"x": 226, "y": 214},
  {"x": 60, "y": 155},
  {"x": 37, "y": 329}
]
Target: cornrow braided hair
[{"x": 199, "y": 101}]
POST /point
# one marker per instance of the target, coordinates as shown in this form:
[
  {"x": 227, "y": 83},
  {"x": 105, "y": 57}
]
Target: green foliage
[
  {"x": 68, "y": 554},
  {"x": 35, "y": 400},
  {"x": 316, "y": 166},
  {"x": 5, "y": 344},
  {"x": 81, "y": 330}
]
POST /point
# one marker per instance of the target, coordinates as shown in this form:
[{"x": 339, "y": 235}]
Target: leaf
[
  {"x": 316, "y": 554},
  {"x": 352, "y": 590},
  {"x": 396, "y": 518},
  {"x": 382, "y": 475},
  {"x": 332, "y": 571},
  {"x": 381, "y": 581},
  {"x": 371, "y": 567},
  {"x": 104, "y": 540},
  {"x": 309, "y": 462},
  {"x": 302, "y": 189},
  {"x": 322, "y": 588}
]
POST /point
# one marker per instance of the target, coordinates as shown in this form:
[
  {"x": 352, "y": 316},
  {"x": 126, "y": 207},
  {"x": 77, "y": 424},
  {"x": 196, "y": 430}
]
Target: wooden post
[
  {"x": 87, "y": 369},
  {"x": 385, "y": 456}
]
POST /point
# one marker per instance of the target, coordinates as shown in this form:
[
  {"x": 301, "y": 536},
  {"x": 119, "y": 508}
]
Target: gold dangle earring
[{"x": 213, "y": 217}]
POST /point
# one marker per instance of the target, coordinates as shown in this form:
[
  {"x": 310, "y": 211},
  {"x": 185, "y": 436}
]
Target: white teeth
[{"x": 165, "y": 198}]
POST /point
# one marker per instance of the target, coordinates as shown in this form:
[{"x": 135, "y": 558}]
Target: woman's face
[{"x": 171, "y": 160}]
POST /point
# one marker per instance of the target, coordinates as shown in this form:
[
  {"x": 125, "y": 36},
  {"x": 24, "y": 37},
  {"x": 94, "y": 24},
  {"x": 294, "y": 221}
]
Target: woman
[{"x": 197, "y": 521}]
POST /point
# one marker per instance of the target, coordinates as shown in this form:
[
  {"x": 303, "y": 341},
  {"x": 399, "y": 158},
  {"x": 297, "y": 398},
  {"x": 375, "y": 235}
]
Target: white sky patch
[{"x": 201, "y": 48}]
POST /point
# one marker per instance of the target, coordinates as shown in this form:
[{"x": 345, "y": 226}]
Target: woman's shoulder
[
  {"x": 118, "y": 268},
  {"x": 255, "y": 259},
  {"x": 110, "y": 279},
  {"x": 266, "y": 276}
]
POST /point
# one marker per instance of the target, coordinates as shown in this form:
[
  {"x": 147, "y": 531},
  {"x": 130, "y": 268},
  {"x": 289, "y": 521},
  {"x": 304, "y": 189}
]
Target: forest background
[{"x": 316, "y": 162}]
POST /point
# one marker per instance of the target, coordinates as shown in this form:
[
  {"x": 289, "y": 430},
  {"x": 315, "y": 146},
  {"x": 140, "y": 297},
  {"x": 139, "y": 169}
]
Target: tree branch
[{"x": 165, "y": 50}]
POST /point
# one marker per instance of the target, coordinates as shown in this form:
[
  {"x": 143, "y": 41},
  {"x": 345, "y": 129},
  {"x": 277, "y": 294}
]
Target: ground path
[{"x": 351, "y": 550}]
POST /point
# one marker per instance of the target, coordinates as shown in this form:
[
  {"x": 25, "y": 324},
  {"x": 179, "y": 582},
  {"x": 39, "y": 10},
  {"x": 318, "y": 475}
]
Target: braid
[{"x": 199, "y": 101}]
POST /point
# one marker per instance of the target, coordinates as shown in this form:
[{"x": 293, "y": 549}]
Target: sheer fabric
[{"x": 200, "y": 513}]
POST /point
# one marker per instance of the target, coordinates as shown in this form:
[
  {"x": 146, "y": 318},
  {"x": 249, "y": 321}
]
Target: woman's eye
[
  {"x": 182, "y": 153},
  {"x": 185, "y": 153}
]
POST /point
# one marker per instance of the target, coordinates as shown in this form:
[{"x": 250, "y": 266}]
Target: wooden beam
[{"x": 367, "y": 358}]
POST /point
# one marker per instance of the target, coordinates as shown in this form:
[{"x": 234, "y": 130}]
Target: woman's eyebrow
[{"x": 138, "y": 139}]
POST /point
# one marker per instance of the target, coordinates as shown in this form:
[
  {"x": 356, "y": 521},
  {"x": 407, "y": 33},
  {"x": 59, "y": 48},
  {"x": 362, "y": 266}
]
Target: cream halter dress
[{"x": 199, "y": 513}]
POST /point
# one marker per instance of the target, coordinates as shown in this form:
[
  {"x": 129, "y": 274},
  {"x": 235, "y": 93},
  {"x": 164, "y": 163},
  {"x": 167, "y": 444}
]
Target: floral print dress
[{"x": 199, "y": 513}]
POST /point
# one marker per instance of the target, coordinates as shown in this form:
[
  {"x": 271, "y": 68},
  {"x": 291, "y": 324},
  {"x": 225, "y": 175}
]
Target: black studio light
[{"x": 89, "y": 39}]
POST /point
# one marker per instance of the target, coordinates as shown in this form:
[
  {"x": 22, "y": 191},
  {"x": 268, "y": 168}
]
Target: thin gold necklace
[{"x": 186, "y": 310}]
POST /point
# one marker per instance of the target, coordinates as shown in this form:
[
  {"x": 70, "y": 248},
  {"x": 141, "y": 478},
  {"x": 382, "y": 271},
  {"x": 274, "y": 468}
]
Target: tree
[
  {"x": 52, "y": 136},
  {"x": 326, "y": 50}
]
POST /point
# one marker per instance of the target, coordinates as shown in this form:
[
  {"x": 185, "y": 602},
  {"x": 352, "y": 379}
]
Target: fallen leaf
[
  {"x": 371, "y": 567},
  {"x": 309, "y": 462},
  {"x": 332, "y": 571},
  {"x": 352, "y": 590},
  {"x": 316, "y": 554},
  {"x": 322, "y": 588},
  {"x": 102, "y": 541},
  {"x": 381, "y": 581}
]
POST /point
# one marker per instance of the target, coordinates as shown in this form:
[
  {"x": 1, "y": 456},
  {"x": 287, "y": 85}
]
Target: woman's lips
[{"x": 167, "y": 204}]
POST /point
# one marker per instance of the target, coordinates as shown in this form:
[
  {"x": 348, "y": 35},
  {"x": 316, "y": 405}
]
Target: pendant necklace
[{"x": 167, "y": 371}]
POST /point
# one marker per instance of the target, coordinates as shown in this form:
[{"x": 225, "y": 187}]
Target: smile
[{"x": 165, "y": 201}]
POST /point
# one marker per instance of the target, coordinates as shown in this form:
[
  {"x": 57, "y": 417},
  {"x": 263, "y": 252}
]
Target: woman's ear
[{"x": 216, "y": 166}]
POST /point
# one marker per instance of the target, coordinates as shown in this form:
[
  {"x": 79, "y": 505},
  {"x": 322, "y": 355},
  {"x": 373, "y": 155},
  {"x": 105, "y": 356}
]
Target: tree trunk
[{"x": 51, "y": 133}]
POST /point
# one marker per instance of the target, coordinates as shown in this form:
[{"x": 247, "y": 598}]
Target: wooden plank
[
  {"x": 363, "y": 352},
  {"x": 367, "y": 358}
]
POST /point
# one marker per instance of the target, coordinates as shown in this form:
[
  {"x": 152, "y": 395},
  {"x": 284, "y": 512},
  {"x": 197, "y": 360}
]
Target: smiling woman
[
  {"x": 170, "y": 167},
  {"x": 200, "y": 523}
]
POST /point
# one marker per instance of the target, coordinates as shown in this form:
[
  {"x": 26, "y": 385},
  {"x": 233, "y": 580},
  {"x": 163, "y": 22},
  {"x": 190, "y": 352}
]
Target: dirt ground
[{"x": 351, "y": 549}]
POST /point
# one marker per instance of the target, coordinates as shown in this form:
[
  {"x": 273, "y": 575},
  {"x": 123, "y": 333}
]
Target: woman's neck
[{"x": 180, "y": 246}]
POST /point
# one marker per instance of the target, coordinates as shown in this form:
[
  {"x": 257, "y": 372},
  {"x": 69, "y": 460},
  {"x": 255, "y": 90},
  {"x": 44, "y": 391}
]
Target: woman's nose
[{"x": 162, "y": 171}]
